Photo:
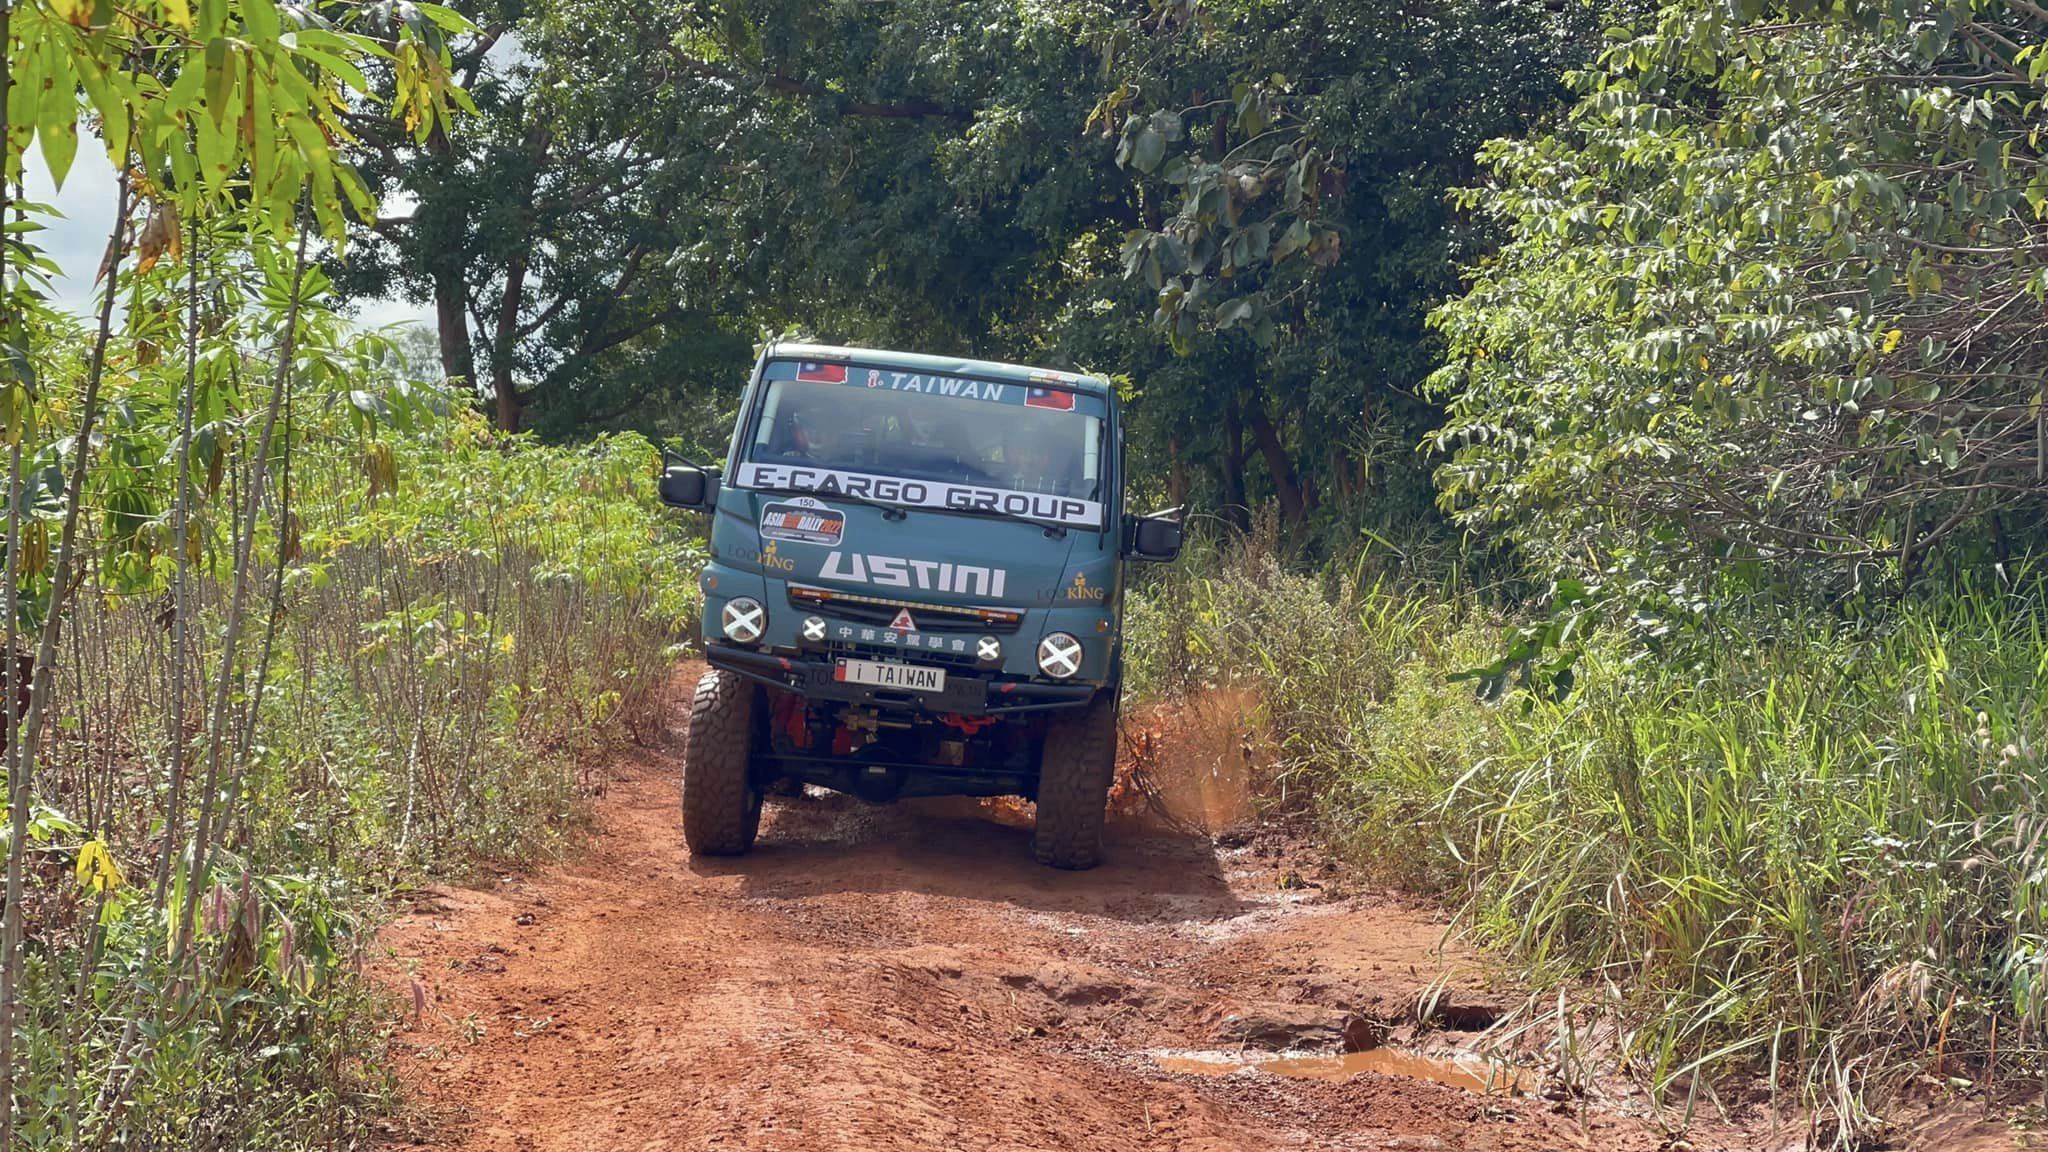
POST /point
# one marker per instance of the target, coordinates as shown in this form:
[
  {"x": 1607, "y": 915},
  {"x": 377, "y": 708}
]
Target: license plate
[{"x": 877, "y": 674}]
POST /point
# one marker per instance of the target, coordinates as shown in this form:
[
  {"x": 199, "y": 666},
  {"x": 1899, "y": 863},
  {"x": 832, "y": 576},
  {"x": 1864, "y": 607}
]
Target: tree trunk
[
  {"x": 511, "y": 405},
  {"x": 1293, "y": 506},
  {"x": 504, "y": 389},
  {"x": 1236, "y": 510},
  {"x": 451, "y": 278},
  {"x": 451, "y": 316},
  {"x": 175, "y": 737},
  {"x": 1176, "y": 475}
]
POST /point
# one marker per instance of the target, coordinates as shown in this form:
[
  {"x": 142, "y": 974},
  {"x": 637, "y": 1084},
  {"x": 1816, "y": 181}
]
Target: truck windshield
[{"x": 929, "y": 441}]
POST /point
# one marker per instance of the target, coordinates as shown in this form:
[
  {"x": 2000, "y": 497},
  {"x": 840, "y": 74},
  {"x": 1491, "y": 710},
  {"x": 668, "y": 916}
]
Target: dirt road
[{"x": 906, "y": 978}]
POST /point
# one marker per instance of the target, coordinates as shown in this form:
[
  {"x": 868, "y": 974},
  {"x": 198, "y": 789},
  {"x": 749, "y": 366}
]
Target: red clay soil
[{"x": 906, "y": 978}]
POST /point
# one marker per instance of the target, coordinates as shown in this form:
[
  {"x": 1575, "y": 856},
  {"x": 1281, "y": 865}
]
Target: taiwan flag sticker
[
  {"x": 821, "y": 373},
  {"x": 1058, "y": 398}
]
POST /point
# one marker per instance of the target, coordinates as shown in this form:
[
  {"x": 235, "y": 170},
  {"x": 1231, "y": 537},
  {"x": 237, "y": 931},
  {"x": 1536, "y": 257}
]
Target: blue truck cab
[{"x": 915, "y": 588}]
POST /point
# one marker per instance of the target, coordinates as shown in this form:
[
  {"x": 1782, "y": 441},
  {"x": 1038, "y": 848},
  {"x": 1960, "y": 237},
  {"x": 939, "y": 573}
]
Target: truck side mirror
[
  {"x": 688, "y": 486},
  {"x": 1156, "y": 537}
]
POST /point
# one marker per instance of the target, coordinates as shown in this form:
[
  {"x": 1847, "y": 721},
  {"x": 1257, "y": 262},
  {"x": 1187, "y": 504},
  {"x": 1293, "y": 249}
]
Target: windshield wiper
[
  {"x": 889, "y": 511},
  {"x": 1053, "y": 528}
]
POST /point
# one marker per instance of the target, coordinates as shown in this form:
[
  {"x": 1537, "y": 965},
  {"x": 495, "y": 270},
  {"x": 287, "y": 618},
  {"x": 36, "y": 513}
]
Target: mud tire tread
[
  {"x": 721, "y": 806},
  {"x": 1074, "y": 775}
]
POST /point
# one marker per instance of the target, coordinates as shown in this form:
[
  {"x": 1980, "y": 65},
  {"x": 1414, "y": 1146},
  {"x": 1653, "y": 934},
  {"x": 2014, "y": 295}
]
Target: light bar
[{"x": 812, "y": 595}]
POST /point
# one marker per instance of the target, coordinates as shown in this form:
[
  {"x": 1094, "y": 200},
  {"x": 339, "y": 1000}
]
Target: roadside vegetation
[
  {"x": 1784, "y": 849},
  {"x": 290, "y": 630},
  {"x": 444, "y": 632},
  {"x": 1736, "y": 751}
]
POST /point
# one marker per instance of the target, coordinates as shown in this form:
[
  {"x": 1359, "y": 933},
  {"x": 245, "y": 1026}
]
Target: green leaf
[
  {"x": 1149, "y": 150},
  {"x": 60, "y": 146},
  {"x": 448, "y": 19},
  {"x": 260, "y": 18},
  {"x": 220, "y": 79},
  {"x": 329, "y": 62},
  {"x": 263, "y": 139},
  {"x": 57, "y": 114},
  {"x": 106, "y": 99},
  {"x": 1236, "y": 311},
  {"x": 216, "y": 152}
]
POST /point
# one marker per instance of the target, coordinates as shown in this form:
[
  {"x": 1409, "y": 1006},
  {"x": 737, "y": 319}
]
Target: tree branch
[{"x": 471, "y": 60}]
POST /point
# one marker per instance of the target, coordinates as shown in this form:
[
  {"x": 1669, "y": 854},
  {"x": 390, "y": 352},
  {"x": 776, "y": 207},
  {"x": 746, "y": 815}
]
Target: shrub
[
  {"x": 455, "y": 626},
  {"x": 1796, "y": 846}
]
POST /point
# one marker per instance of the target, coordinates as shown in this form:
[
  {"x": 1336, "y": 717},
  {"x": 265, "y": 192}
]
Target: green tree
[
  {"x": 223, "y": 115},
  {"x": 551, "y": 231},
  {"x": 647, "y": 189},
  {"x": 1772, "y": 294},
  {"x": 1239, "y": 208},
  {"x": 1293, "y": 164}
]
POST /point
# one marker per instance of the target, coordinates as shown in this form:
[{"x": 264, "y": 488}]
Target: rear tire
[
  {"x": 1074, "y": 774},
  {"x": 721, "y": 806}
]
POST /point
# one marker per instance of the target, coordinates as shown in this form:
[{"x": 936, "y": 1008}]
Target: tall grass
[
  {"x": 1794, "y": 847},
  {"x": 454, "y": 626}
]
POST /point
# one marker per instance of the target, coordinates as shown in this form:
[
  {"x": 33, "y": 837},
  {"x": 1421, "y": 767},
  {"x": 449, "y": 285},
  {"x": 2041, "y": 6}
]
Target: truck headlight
[
  {"x": 988, "y": 650},
  {"x": 743, "y": 619},
  {"x": 1059, "y": 655}
]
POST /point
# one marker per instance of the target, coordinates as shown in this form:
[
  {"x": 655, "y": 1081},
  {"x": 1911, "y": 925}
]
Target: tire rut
[{"x": 906, "y": 978}]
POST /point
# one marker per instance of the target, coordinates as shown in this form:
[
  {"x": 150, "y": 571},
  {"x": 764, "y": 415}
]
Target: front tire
[
  {"x": 1074, "y": 774},
  {"x": 721, "y": 805}
]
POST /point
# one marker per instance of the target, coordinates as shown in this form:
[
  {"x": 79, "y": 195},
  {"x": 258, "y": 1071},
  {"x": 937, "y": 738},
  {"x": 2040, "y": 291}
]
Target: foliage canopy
[{"x": 1772, "y": 294}]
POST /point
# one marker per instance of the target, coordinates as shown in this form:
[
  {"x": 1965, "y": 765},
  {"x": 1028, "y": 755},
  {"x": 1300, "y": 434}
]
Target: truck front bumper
[{"x": 966, "y": 693}]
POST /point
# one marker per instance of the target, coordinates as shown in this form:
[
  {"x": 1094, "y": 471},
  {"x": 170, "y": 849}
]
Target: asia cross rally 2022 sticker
[{"x": 802, "y": 521}]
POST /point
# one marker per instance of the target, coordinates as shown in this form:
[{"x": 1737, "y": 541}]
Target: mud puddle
[{"x": 1470, "y": 1073}]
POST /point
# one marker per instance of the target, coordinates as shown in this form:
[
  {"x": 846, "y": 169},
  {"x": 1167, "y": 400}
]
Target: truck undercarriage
[{"x": 880, "y": 753}]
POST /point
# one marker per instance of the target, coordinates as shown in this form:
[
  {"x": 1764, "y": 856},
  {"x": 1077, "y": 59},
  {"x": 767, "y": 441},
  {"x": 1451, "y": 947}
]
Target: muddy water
[
  {"x": 1469, "y": 1073},
  {"x": 1194, "y": 756}
]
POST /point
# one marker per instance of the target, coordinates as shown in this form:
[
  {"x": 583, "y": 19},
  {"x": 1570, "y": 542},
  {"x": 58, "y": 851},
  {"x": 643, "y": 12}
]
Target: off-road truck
[{"x": 915, "y": 588}]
